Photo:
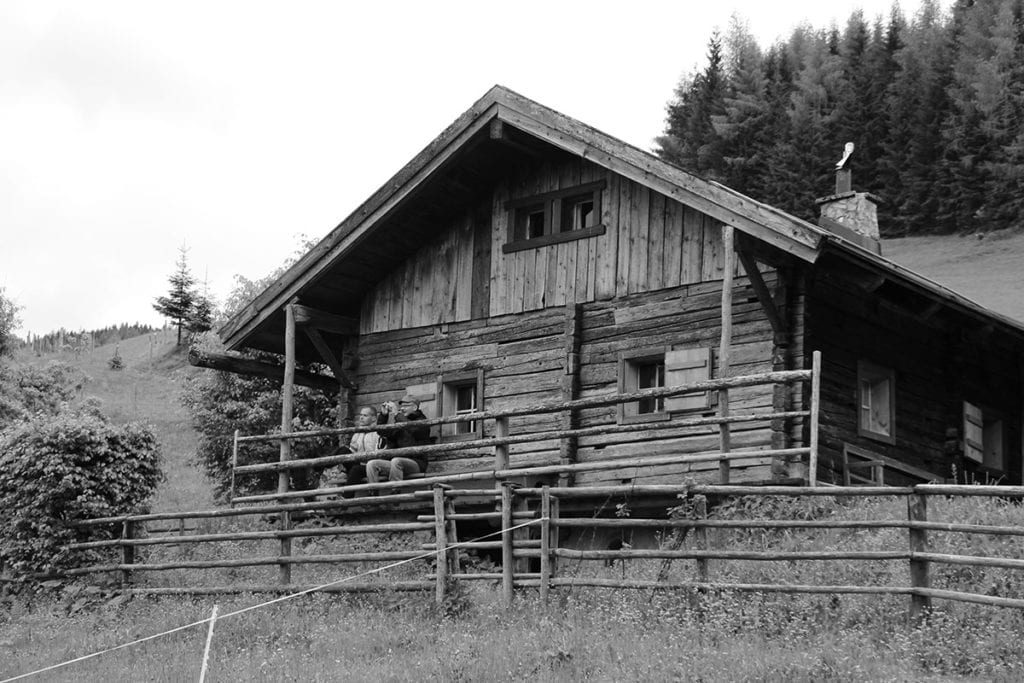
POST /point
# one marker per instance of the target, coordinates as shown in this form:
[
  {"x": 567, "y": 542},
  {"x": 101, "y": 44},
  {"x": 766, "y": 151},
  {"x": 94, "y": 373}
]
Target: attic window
[{"x": 553, "y": 217}]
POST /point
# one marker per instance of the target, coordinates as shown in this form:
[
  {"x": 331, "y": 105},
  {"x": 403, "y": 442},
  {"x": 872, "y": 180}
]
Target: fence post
[
  {"x": 700, "y": 534},
  {"x": 127, "y": 551},
  {"x": 452, "y": 534},
  {"x": 507, "y": 568},
  {"x": 812, "y": 458},
  {"x": 234, "y": 464},
  {"x": 917, "y": 511},
  {"x": 441, "y": 534},
  {"x": 545, "y": 543}
]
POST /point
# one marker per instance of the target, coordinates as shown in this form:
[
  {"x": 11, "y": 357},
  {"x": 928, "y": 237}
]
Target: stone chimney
[{"x": 851, "y": 215}]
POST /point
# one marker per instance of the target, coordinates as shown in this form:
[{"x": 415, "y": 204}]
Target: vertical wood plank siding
[{"x": 650, "y": 243}]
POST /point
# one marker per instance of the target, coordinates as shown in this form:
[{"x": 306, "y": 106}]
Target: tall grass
[{"x": 584, "y": 634}]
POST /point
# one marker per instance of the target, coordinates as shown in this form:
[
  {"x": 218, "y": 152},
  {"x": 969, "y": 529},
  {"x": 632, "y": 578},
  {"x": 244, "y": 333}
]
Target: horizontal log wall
[
  {"x": 687, "y": 316},
  {"x": 937, "y": 366},
  {"x": 521, "y": 357}
]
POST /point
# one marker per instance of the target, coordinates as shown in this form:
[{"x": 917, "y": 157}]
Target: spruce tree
[
  {"x": 178, "y": 304},
  {"x": 201, "y": 317}
]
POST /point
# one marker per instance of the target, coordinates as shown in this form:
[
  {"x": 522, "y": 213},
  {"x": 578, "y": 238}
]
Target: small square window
[
  {"x": 530, "y": 222},
  {"x": 663, "y": 367},
  {"x": 984, "y": 436},
  {"x": 465, "y": 403},
  {"x": 650, "y": 375},
  {"x": 461, "y": 394},
  {"x": 578, "y": 213},
  {"x": 876, "y": 391},
  {"x": 553, "y": 217}
]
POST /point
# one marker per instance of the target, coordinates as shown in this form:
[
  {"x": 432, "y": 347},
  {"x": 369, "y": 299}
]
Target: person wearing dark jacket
[{"x": 399, "y": 467}]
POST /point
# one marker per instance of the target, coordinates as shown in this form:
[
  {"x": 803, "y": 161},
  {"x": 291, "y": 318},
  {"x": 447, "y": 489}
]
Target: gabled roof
[{"x": 342, "y": 267}]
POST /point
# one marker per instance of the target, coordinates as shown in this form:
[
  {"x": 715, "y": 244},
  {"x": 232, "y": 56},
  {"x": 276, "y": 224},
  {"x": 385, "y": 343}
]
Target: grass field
[{"x": 986, "y": 268}]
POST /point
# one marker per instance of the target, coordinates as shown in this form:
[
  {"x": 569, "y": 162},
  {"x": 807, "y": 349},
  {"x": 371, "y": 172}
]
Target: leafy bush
[
  {"x": 26, "y": 391},
  {"x": 56, "y": 470}
]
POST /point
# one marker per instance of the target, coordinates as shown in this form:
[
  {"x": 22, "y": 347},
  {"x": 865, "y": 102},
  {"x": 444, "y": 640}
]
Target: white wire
[{"x": 267, "y": 603}]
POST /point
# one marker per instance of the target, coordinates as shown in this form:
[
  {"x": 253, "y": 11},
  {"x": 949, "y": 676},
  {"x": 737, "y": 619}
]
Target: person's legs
[
  {"x": 377, "y": 471},
  {"x": 356, "y": 473},
  {"x": 401, "y": 468}
]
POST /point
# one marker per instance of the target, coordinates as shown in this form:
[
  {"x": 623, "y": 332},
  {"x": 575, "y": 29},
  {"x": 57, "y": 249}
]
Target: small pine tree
[
  {"x": 116, "y": 362},
  {"x": 181, "y": 298},
  {"x": 201, "y": 318}
]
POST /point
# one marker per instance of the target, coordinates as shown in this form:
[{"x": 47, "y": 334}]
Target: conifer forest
[{"x": 934, "y": 104}]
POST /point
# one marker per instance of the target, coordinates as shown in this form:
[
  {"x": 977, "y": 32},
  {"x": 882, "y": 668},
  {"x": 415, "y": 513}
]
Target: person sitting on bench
[
  {"x": 398, "y": 468},
  {"x": 361, "y": 442}
]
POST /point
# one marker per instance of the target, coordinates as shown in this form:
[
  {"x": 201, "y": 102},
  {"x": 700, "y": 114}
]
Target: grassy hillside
[
  {"x": 987, "y": 268},
  {"x": 147, "y": 390}
]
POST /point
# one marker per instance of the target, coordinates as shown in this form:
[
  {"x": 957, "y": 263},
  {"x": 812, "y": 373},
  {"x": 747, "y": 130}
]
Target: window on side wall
[
  {"x": 876, "y": 404},
  {"x": 553, "y": 217},
  {"x": 662, "y": 367},
  {"x": 984, "y": 436},
  {"x": 461, "y": 394}
]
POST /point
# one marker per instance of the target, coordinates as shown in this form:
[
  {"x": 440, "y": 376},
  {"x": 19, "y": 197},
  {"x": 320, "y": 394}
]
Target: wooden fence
[
  {"x": 528, "y": 525},
  {"x": 528, "y": 521},
  {"x": 504, "y": 468}
]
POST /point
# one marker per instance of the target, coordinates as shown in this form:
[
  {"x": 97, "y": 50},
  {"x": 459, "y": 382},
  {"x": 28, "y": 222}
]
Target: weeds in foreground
[{"x": 592, "y": 636}]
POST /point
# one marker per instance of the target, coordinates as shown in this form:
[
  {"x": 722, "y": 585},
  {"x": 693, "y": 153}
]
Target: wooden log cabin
[{"x": 524, "y": 257}]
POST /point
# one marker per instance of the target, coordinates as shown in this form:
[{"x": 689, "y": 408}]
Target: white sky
[{"x": 129, "y": 128}]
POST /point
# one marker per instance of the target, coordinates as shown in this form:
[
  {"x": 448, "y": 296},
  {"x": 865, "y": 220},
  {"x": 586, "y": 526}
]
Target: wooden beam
[
  {"x": 498, "y": 132},
  {"x": 255, "y": 368},
  {"x": 764, "y": 295},
  {"x": 328, "y": 355},
  {"x": 725, "y": 350},
  {"x": 322, "y": 320}
]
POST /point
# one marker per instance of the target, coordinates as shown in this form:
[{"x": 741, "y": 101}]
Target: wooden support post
[
  {"x": 917, "y": 511},
  {"x": 127, "y": 551},
  {"x": 545, "y": 543},
  {"x": 568, "y": 445},
  {"x": 287, "y": 412},
  {"x": 725, "y": 350},
  {"x": 234, "y": 464},
  {"x": 500, "y": 450},
  {"x": 441, "y": 535},
  {"x": 507, "y": 569},
  {"x": 812, "y": 458}
]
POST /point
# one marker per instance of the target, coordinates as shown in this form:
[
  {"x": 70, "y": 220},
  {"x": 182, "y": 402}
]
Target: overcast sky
[{"x": 130, "y": 128}]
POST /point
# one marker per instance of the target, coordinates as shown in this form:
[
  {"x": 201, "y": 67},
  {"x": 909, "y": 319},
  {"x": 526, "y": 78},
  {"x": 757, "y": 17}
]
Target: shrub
[
  {"x": 56, "y": 470},
  {"x": 27, "y": 391},
  {"x": 221, "y": 402},
  {"x": 116, "y": 362}
]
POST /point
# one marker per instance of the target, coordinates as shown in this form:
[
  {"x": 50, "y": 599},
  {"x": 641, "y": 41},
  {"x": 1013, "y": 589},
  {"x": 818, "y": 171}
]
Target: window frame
[
  {"x": 631, "y": 361},
  {"x": 553, "y": 204},
  {"x": 991, "y": 419},
  {"x": 448, "y": 385},
  {"x": 868, "y": 371}
]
